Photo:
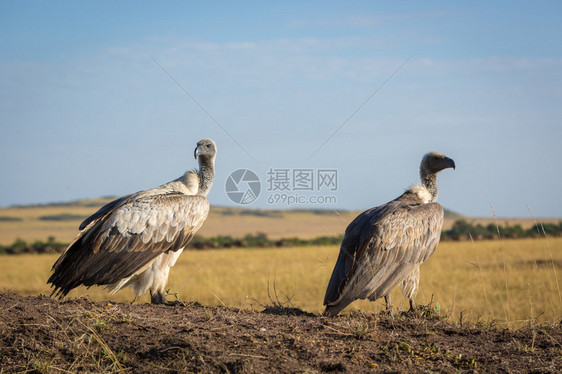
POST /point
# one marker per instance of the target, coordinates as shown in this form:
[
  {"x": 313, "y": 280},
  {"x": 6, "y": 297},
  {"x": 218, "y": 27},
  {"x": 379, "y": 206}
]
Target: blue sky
[{"x": 86, "y": 110}]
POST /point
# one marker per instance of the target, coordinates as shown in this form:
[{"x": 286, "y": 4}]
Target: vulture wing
[
  {"x": 104, "y": 210},
  {"x": 124, "y": 237},
  {"x": 381, "y": 247}
]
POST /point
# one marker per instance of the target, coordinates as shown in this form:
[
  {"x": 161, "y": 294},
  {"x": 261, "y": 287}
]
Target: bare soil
[{"x": 39, "y": 334}]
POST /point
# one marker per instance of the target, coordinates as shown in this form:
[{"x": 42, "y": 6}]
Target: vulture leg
[
  {"x": 388, "y": 304},
  {"x": 412, "y": 305}
]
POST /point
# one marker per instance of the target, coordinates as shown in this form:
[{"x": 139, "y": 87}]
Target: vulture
[
  {"x": 386, "y": 245},
  {"x": 136, "y": 239}
]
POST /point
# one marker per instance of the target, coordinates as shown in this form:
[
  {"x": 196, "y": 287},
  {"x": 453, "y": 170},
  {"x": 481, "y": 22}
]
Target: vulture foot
[
  {"x": 414, "y": 311},
  {"x": 160, "y": 298},
  {"x": 412, "y": 306}
]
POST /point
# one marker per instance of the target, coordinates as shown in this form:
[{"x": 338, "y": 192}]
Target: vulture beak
[
  {"x": 441, "y": 163},
  {"x": 197, "y": 152},
  {"x": 448, "y": 163}
]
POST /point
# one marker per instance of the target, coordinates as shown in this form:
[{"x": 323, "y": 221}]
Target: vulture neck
[
  {"x": 206, "y": 175},
  {"x": 429, "y": 181}
]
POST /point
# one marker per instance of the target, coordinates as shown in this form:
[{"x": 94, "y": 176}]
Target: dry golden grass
[
  {"x": 510, "y": 281},
  {"x": 221, "y": 221}
]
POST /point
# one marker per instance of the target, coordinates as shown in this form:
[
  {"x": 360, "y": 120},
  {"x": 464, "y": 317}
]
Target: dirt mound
[{"x": 44, "y": 335}]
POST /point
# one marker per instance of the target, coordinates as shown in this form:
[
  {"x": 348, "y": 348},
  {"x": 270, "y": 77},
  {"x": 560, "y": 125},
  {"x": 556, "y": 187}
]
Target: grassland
[
  {"x": 506, "y": 280},
  {"x": 510, "y": 281},
  {"x": 61, "y": 221}
]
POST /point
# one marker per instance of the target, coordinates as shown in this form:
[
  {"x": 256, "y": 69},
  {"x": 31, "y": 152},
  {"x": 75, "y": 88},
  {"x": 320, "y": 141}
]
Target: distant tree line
[
  {"x": 461, "y": 230},
  {"x": 20, "y": 246},
  {"x": 464, "y": 230},
  {"x": 259, "y": 240}
]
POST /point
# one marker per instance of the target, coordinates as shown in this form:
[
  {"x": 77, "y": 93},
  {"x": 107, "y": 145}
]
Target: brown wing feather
[
  {"x": 125, "y": 239},
  {"x": 381, "y": 247},
  {"x": 104, "y": 210}
]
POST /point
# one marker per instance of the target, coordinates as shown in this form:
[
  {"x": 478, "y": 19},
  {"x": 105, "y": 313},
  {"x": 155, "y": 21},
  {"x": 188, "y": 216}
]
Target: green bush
[
  {"x": 462, "y": 229},
  {"x": 63, "y": 217}
]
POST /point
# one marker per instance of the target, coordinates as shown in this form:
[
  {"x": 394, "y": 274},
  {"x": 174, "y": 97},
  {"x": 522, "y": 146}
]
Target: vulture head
[
  {"x": 206, "y": 149},
  {"x": 434, "y": 162}
]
